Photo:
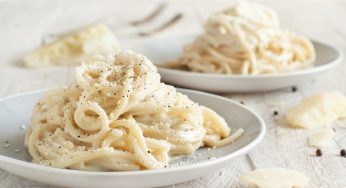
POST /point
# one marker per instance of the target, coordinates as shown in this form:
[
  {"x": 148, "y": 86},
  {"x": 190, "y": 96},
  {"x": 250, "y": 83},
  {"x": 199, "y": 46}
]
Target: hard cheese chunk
[
  {"x": 274, "y": 178},
  {"x": 322, "y": 138},
  {"x": 318, "y": 110},
  {"x": 73, "y": 48}
]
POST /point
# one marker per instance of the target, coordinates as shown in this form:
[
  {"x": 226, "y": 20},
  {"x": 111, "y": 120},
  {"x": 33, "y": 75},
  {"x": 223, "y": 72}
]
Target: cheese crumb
[
  {"x": 318, "y": 110},
  {"x": 322, "y": 138},
  {"x": 274, "y": 178}
]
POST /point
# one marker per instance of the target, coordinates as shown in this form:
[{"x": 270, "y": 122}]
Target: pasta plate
[
  {"x": 164, "y": 48},
  {"x": 15, "y": 112}
]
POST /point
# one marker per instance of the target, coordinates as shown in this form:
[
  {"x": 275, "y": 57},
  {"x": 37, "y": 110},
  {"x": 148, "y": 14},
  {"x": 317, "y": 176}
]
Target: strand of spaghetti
[
  {"x": 141, "y": 149},
  {"x": 76, "y": 118},
  {"x": 212, "y": 142}
]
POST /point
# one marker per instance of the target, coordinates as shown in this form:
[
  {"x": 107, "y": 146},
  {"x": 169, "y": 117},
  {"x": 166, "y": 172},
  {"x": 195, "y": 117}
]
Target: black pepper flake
[
  {"x": 6, "y": 142},
  {"x": 165, "y": 166},
  {"x": 318, "y": 152},
  {"x": 149, "y": 151},
  {"x": 241, "y": 102},
  {"x": 275, "y": 113},
  {"x": 78, "y": 136},
  {"x": 294, "y": 89},
  {"x": 343, "y": 153},
  {"x": 59, "y": 147}
]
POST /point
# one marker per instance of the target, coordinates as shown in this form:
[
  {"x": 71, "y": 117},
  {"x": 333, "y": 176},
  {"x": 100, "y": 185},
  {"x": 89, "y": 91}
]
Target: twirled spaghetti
[
  {"x": 118, "y": 116},
  {"x": 245, "y": 39}
]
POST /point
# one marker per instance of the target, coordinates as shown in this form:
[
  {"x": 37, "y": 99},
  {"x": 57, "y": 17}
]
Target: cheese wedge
[
  {"x": 274, "y": 178},
  {"x": 318, "y": 110},
  {"x": 73, "y": 48}
]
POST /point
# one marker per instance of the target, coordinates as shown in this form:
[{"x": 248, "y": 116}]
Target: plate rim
[{"x": 195, "y": 166}]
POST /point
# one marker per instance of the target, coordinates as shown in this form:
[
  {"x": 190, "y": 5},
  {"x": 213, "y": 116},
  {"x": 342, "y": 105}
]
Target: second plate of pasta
[{"x": 164, "y": 48}]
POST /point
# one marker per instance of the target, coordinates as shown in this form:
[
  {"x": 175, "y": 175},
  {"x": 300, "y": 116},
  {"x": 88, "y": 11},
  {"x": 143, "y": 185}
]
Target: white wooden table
[{"x": 24, "y": 23}]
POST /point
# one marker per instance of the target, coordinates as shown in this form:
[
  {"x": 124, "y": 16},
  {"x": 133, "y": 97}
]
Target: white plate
[
  {"x": 16, "y": 111},
  {"x": 161, "y": 49}
]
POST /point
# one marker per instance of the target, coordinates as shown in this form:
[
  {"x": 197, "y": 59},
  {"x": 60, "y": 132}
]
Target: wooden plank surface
[{"x": 25, "y": 23}]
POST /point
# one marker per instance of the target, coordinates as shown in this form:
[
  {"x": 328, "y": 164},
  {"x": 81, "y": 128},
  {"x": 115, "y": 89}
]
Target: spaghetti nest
[
  {"x": 117, "y": 116},
  {"x": 245, "y": 39}
]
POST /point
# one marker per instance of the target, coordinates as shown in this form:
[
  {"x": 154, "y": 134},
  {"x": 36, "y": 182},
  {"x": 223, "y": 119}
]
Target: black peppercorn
[
  {"x": 318, "y": 152},
  {"x": 294, "y": 89}
]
